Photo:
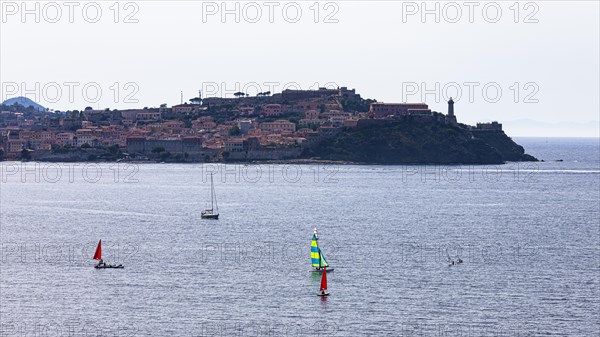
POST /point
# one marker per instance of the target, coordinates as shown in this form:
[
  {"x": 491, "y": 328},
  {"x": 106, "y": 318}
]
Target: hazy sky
[{"x": 543, "y": 67}]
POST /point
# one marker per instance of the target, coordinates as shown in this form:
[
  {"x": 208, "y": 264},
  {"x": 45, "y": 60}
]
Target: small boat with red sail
[
  {"x": 101, "y": 264},
  {"x": 323, "y": 290}
]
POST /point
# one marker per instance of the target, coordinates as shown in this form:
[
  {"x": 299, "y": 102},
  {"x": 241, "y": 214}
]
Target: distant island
[
  {"x": 331, "y": 125},
  {"x": 23, "y": 102}
]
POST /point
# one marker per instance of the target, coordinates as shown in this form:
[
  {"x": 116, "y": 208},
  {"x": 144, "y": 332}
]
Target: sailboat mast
[
  {"x": 216, "y": 203},
  {"x": 212, "y": 192}
]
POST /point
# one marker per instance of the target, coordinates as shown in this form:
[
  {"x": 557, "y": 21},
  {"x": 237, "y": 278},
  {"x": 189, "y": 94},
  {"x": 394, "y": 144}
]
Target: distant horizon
[{"x": 555, "y": 137}]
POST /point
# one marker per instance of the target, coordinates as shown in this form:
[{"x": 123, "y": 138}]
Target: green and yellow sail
[{"x": 318, "y": 260}]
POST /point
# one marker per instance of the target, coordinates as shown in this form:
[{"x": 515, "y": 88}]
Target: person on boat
[{"x": 101, "y": 263}]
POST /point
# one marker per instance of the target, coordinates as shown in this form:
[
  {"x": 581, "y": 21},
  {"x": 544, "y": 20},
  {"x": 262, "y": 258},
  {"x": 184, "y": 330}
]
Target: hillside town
[{"x": 262, "y": 127}]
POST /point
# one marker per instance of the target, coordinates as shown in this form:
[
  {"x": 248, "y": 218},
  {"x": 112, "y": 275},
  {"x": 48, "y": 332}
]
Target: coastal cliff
[{"x": 419, "y": 143}]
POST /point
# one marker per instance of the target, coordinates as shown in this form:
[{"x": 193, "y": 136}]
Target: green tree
[
  {"x": 235, "y": 131},
  {"x": 295, "y": 120},
  {"x": 114, "y": 149},
  {"x": 165, "y": 155},
  {"x": 25, "y": 154}
]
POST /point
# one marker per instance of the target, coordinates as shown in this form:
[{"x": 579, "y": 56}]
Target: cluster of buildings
[{"x": 278, "y": 126}]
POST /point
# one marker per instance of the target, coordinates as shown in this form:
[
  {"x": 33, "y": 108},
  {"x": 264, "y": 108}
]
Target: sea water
[{"x": 527, "y": 233}]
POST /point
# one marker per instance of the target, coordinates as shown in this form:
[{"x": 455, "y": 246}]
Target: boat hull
[
  {"x": 321, "y": 270},
  {"x": 323, "y": 294},
  {"x": 210, "y": 216},
  {"x": 110, "y": 267}
]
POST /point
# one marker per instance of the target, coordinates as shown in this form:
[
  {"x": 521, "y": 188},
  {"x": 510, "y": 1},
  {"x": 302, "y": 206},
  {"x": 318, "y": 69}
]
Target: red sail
[
  {"x": 98, "y": 254},
  {"x": 324, "y": 279}
]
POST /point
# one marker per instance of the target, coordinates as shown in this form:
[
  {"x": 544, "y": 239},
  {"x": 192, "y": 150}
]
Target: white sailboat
[{"x": 213, "y": 212}]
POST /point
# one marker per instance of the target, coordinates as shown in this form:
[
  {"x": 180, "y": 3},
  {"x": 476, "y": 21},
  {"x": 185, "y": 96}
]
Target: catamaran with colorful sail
[
  {"x": 98, "y": 256},
  {"x": 319, "y": 262}
]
